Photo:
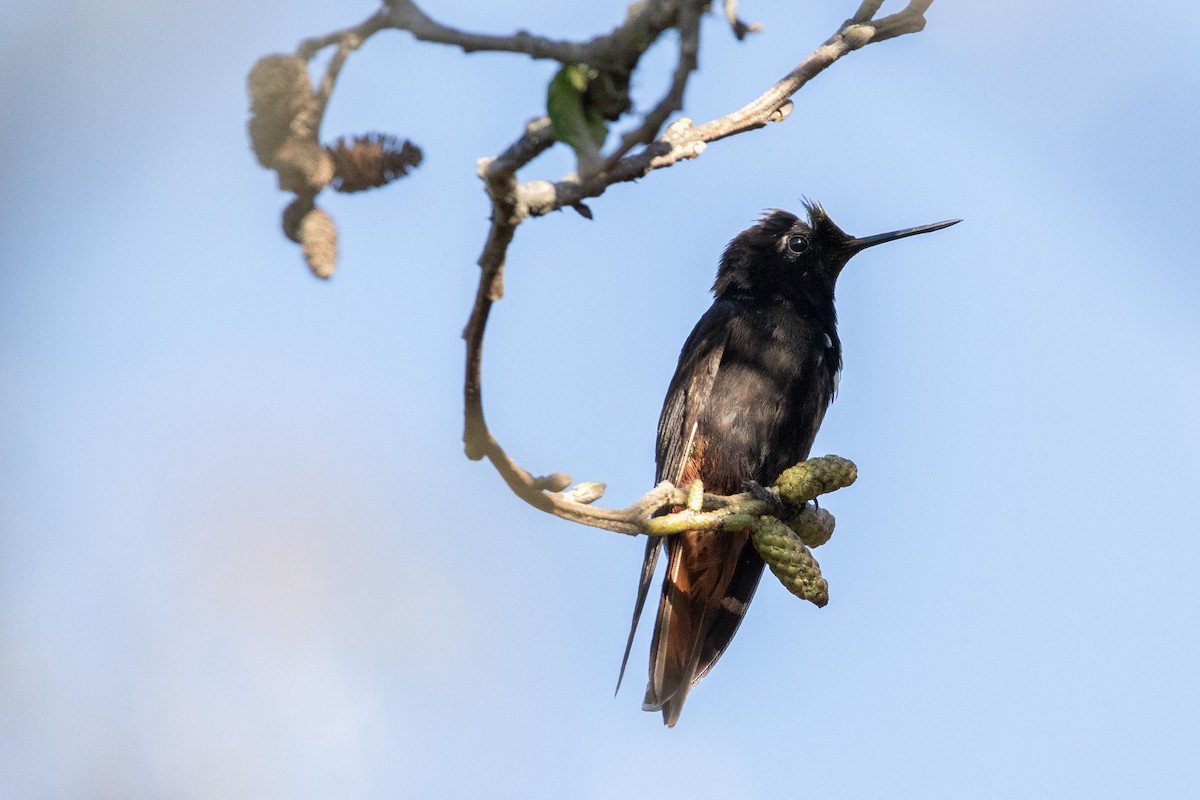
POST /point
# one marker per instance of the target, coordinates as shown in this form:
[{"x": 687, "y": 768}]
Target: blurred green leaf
[{"x": 573, "y": 117}]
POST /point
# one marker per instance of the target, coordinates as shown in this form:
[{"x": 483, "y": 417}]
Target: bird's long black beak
[{"x": 854, "y": 245}]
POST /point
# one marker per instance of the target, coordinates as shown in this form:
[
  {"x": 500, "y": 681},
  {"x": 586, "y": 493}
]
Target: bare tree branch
[
  {"x": 910, "y": 20},
  {"x": 689, "y": 46},
  {"x": 866, "y": 12},
  {"x": 405, "y": 15},
  {"x": 740, "y": 28},
  {"x": 618, "y": 50},
  {"x": 288, "y": 115},
  {"x": 360, "y": 33},
  {"x": 499, "y": 176}
]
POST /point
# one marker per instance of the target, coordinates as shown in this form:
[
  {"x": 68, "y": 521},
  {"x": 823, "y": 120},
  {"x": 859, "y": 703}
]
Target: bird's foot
[{"x": 775, "y": 504}]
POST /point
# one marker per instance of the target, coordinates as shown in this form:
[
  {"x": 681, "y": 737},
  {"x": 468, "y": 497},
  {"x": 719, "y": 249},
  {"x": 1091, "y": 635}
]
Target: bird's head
[{"x": 784, "y": 256}]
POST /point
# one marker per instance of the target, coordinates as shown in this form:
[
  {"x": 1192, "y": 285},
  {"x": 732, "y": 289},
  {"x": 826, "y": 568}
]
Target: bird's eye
[{"x": 797, "y": 244}]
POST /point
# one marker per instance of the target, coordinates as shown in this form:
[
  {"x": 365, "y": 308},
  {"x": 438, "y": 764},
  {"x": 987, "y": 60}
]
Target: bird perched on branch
[{"x": 753, "y": 383}]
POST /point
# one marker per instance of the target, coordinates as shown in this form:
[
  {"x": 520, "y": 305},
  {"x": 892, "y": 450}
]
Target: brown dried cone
[
  {"x": 303, "y": 167},
  {"x": 790, "y": 560},
  {"x": 371, "y": 160},
  {"x": 813, "y": 525},
  {"x": 282, "y": 105},
  {"x": 815, "y": 477},
  {"x": 283, "y": 124},
  {"x": 318, "y": 239}
]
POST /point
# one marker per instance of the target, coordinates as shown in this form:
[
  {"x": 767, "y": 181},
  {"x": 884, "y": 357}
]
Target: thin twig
[
  {"x": 349, "y": 43},
  {"x": 362, "y": 31},
  {"x": 866, "y": 11},
  {"x": 740, "y": 28},
  {"x": 499, "y": 176},
  {"x": 672, "y": 101},
  {"x": 910, "y": 20},
  {"x": 405, "y": 15},
  {"x": 618, "y": 50}
]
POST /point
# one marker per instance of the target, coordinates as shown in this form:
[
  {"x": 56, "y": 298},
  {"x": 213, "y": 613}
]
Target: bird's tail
[
  {"x": 710, "y": 582},
  {"x": 653, "y": 546}
]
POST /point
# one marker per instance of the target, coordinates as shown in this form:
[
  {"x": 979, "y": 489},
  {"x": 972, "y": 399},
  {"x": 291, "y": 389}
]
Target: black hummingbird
[{"x": 753, "y": 383}]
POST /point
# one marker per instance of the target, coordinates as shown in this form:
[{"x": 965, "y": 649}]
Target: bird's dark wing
[
  {"x": 677, "y": 428},
  {"x": 732, "y": 433}
]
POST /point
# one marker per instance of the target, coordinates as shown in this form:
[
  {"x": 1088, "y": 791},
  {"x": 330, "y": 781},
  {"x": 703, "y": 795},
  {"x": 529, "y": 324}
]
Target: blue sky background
[{"x": 243, "y": 556}]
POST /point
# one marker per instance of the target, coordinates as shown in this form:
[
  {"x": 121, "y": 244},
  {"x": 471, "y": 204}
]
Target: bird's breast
[{"x": 775, "y": 381}]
